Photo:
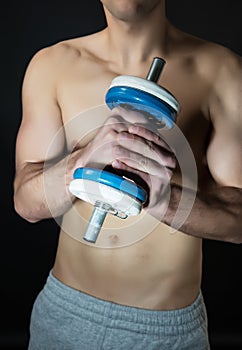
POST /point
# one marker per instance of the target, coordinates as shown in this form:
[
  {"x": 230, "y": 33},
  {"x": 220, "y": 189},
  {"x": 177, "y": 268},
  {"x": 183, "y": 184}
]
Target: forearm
[
  {"x": 42, "y": 191},
  {"x": 214, "y": 215}
]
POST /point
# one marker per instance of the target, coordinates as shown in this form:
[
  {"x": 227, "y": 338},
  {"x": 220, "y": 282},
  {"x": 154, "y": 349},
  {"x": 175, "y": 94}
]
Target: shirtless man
[{"x": 146, "y": 294}]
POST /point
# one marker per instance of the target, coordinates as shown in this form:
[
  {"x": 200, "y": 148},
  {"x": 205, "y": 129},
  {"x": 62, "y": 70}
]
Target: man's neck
[{"x": 136, "y": 42}]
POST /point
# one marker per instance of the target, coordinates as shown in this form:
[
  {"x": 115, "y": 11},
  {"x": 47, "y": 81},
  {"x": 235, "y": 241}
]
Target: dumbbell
[{"x": 110, "y": 193}]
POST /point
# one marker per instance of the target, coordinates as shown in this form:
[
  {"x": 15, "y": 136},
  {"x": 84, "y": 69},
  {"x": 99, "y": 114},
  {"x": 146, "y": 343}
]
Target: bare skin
[{"x": 161, "y": 270}]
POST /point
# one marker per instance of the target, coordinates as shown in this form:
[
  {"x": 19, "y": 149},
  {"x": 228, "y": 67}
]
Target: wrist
[
  {"x": 74, "y": 161},
  {"x": 173, "y": 203},
  {"x": 160, "y": 207}
]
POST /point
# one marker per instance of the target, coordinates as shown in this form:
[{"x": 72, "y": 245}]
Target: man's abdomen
[{"x": 158, "y": 271}]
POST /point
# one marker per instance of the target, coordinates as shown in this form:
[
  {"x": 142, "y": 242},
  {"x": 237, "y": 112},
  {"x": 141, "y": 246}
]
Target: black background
[{"x": 27, "y": 250}]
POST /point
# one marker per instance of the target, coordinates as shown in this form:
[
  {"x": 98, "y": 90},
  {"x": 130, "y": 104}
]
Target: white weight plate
[
  {"x": 91, "y": 191},
  {"x": 148, "y": 86}
]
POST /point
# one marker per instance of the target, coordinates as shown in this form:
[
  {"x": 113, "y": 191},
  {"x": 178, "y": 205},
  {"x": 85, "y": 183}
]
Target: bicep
[
  {"x": 224, "y": 157},
  {"x": 224, "y": 153},
  {"x": 40, "y": 136}
]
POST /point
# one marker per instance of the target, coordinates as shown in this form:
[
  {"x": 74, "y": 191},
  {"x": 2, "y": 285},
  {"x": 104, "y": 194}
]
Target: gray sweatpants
[{"x": 66, "y": 319}]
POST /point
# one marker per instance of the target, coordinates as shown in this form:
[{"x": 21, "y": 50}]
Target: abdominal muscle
[{"x": 137, "y": 261}]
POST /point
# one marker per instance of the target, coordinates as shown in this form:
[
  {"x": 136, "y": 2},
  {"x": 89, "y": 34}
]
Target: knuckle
[
  {"x": 150, "y": 146},
  {"x": 139, "y": 129},
  {"x": 117, "y": 110},
  {"x": 118, "y": 150},
  {"x": 169, "y": 173},
  {"x": 108, "y": 136},
  {"x": 113, "y": 119},
  {"x": 143, "y": 162},
  {"x": 158, "y": 139},
  {"x": 173, "y": 162}
]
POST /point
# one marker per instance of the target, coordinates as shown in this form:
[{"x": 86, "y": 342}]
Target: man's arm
[
  {"x": 214, "y": 213},
  {"x": 217, "y": 214},
  {"x": 40, "y": 186}
]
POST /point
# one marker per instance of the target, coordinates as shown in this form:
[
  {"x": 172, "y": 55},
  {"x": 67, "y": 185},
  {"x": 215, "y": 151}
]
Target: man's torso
[{"x": 160, "y": 269}]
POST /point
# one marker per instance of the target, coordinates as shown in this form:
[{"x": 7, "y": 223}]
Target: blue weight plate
[
  {"x": 143, "y": 101},
  {"x": 112, "y": 180}
]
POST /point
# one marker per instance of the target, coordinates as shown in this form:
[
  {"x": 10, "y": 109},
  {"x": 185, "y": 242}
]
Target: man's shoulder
[
  {"x": 207, "y": 55},
  {"x": 218, "y": 53},
  {"x": 62, "y": 52},
  {"x": 221, "y": 62},
  {"x": 212, "y": 58}
]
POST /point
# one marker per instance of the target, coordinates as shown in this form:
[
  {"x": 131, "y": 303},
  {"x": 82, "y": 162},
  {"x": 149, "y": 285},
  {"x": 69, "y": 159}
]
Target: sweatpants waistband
[{"x": 168, "y": 322}]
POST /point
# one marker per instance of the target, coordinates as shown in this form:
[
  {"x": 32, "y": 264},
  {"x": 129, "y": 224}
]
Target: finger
[
  {"x": 116, "y": 123},
  {"x": 146, "y": 148},
  {"x": 141, "y": 163},
  {"x": 149, "y": 135},
  {"x": 121, "y": 165},
  {"x": 138, "y": 123},
  {"x": 163, "y": 174},
  {"x": 130, "y": 115}
]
